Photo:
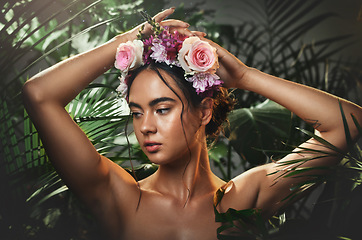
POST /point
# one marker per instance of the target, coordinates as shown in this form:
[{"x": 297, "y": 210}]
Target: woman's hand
[
  {"x": 231, "y": 69},
  {"x": 160, "y": 18}
]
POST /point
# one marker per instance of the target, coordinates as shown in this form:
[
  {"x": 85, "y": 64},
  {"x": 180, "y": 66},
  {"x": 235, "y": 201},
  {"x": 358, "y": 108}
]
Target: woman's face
[{"x": 157, "y": 119}]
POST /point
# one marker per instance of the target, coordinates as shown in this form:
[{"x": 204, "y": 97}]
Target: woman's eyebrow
[
  {"x": 153, "y": 102},
  {"x": 132, "y": 104},
  {"x": 161, "y": 99}
]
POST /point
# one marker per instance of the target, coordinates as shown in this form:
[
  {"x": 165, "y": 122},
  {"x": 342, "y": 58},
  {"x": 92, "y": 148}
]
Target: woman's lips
[{"x": 152, "y": 147}]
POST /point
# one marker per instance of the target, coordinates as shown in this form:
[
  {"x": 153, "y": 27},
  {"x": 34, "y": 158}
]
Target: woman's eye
[
  {"x": 163, "y": 110},
  {"x": 136, "y": 114}
]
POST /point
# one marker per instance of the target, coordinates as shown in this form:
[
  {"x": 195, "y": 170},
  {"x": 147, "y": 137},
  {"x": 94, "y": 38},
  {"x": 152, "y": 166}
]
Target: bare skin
[{"x": 167, "y": 210}]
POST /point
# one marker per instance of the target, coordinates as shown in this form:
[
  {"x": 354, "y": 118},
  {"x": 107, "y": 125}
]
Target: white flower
[{"x": 122, "y": 88}]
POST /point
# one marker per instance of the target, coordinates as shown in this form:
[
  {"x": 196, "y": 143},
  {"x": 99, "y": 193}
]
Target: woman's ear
[{"x": 206, "y": 110}]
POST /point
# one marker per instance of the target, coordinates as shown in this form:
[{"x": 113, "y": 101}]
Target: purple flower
[
  {"x": 159, "y": 52},
  {"x": 147, "y": 43},
  {"x": 204, "y": 81},
  {"x": 172, "y": 49}
]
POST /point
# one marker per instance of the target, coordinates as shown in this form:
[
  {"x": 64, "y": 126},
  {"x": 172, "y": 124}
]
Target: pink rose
[
  {"x": 197, "y": 56},
  {"x": 129, "y": 55}
]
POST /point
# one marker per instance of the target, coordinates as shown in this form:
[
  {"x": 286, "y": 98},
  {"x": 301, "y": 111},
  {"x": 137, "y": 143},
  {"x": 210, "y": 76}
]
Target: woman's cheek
[{"x": 172, "y": 124}]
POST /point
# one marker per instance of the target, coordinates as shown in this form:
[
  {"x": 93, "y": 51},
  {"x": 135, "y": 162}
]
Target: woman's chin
[
  {"x": 157, "y": 158},
  {"x": 161, "y": 159}
]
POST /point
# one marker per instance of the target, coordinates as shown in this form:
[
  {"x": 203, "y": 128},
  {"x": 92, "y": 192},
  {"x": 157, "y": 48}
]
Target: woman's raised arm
[
  {"x": 316, "y": 107},
  {"x": 89, "y": 175}
]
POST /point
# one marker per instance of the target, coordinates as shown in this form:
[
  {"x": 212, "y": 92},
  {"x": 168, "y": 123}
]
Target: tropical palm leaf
[
  {"x": 259, "y": 127},
  {"x": 343, "y": 187},
  {"x": 272, "y": 41},
  {"x": 34, "y": 36},
  {"x": 30, "y": 30}
]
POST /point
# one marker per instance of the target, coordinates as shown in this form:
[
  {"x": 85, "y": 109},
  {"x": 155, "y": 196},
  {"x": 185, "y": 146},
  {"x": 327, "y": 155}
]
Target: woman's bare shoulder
[{"x": 120, "y": 181}]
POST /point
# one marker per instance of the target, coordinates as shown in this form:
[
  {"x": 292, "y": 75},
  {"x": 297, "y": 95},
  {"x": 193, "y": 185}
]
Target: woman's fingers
[
  {"x": 199, "y": 34},
  {"x": 181, "y": 30},
  {"x": 162, "y": 15},
  {"x": 173, "y": 23},
  {"x": 187, "y": 32}
]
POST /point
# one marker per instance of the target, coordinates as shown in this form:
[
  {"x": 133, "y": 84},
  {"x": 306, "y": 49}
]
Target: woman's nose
[{"x": 148, "y": 125}]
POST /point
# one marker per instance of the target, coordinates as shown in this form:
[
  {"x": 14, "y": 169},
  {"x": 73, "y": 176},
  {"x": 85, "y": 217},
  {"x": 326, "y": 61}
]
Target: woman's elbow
[{"x": 32, "y": 94}]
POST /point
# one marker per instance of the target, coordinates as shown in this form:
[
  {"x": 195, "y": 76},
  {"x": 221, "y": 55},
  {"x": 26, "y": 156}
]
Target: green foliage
[
  {"x": 35, "y": 34},
  {"x": 273, "y": 42},
  {"x": 249, "y": 222},
  {"x": 337, "y": 210},
  {"x": 264, "y": 126},
  {"x": 338, "y": 205}
]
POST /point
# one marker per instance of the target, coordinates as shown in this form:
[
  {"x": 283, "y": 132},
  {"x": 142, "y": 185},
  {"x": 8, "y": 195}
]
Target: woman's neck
[{"x": 189, "y": 178}]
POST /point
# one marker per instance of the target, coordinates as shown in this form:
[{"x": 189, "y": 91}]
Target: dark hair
[{"x": 223, "y": 103}]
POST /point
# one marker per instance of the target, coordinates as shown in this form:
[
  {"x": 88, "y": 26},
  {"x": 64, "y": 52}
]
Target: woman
[{"x": 171, "y": 121}]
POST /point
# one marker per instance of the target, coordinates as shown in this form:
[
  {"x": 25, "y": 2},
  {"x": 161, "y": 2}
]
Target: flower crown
[{"x": 197, "y": 58}]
